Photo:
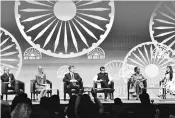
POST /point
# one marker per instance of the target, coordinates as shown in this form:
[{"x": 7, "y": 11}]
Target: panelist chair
[
  {"x": 130, "y": 90},
  {"x": 34, "y": 92},
  {"x": 19, "y": 86},
  {"x": 98, "y": 89}
]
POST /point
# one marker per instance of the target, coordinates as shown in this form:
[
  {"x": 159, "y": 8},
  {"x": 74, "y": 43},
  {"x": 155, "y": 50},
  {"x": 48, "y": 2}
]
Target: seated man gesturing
[{"x": 105, "y": 79}]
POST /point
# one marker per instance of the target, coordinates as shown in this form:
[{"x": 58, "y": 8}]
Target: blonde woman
[{"x": 41, "y": 84}]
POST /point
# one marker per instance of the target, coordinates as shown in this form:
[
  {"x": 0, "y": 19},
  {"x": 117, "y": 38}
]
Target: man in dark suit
[
  {"x": 8, "y": 78},
  {"x": 105, "y": 79},
  {"x": 72, "y": 80}
]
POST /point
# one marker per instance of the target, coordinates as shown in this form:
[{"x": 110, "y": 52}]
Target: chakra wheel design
[
  {"x": 97, "y": 51},
  {"x": 64, "y": 29},
  {"x": 114, "y": 68},
  {"x": 126, "y": 72},
  {"x": 10, "y": 53},
  {"x": 162, "y": 24},
  {"x": 32, "y": 52},
  {"x": 62, "y": 71},
  {"x": 152, "y": 66}
]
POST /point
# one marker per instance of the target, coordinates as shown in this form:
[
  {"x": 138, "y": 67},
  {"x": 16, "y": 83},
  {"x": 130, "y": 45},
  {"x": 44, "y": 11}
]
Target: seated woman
[
  {"x": 137, "y": 82},
  {"x": 166, "y": 84},
  {"x": 41, "y": 84}
]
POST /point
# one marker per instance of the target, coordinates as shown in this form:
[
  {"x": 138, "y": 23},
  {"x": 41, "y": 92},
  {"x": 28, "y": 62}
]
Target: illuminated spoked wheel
[
  {"x": 10, "y": 53},
  {"x": 67, "y": 28},
  {"x": 150, "y": 59},
  {"x": 162, "y": 24},
  {"x": 97, "y": 53},
  {"x": 62, "y": 71},
  {"x": 113, "y": 68},
  {"x": 126, "y": 72}
]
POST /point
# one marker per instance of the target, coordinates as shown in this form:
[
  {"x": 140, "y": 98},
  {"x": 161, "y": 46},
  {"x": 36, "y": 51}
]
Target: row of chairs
[{"x": 19, "y": 85}]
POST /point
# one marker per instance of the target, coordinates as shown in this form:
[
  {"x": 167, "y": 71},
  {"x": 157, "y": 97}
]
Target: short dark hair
[
  {"x": 71, "y": 67},
  {"x": 102, "y": 67},
  {"x": 135, "y": 68}
]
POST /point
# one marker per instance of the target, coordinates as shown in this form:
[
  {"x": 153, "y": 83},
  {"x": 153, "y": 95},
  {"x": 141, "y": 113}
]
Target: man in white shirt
[{"x": 105, "y": 79}]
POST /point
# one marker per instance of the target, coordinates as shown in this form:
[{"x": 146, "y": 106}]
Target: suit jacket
[
  {"x": 67, "y": 78},
  {"x": 5, "y": 78}
]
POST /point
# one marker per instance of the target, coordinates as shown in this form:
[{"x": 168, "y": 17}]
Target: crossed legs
[{"x": 43, "y": 92}]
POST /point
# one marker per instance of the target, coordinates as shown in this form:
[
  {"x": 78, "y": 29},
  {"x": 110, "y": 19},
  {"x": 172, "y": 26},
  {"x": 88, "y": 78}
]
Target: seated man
[
  {"x": 9, "y": 79},
  {"x": 72, "y": 80},
  {"x": 105, "y": 79}
]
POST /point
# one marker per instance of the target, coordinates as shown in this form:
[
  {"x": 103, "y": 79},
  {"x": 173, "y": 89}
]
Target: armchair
[
  {"x": 98, "y": 90},
  {"x": 66, "y": 90},
  {"x": 33, "y": 90},
  {"x": 129, "y": 90},
  {"x": 19, "y": 85}
]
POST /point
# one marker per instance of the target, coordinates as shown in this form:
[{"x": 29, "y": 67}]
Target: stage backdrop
[{"x": 54, "y": 34}]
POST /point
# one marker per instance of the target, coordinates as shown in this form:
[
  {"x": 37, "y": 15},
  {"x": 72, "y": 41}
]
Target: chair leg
[
  {"x": 110, "y": 95},
  {"x": 64, "y": 96},
  {"x": 34, "y": 96},
  {"x": 50, "y": 93},
  {"x": 2, "y": 96},
  {"x": 31, "y": 96},
  {"x": 47, "y": 94},
  {"x": 6, "y": 96}
]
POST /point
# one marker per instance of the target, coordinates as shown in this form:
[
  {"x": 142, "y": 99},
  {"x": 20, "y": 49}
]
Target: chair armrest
[
  {"x": 128, "y": 84},
  {"x": 49, "y": 82},
  {"x": 32, "y": 86},
  {"x": 3, "y": 87}
]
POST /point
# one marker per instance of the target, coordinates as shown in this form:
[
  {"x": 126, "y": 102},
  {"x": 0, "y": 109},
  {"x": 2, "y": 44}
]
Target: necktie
[{"x": 72, "y": 76}]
